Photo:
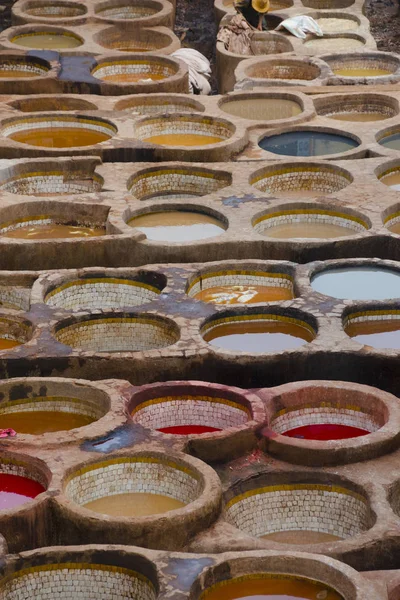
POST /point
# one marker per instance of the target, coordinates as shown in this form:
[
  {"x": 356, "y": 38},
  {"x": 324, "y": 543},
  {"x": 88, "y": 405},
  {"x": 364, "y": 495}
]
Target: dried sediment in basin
[
  {"x": 360, "y": 107},
  {"x": 57, "y": 103},
  {"x": 27, "y": 66},
  {"x": 335, "y": 43},
  {"x": 171, "y": 183},
  {"x": 157, "y": 103},
  {"x": 262, "y": 106},
  {"x": 335, "y": 22},
  {"x": 106, "y": 290},
  {"x": 117, "y": 333}
]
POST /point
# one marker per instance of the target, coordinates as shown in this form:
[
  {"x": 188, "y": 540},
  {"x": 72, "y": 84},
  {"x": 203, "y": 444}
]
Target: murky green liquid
[
  {"x": 307, "y": 143},
  {"x": 47, "y": 41}
]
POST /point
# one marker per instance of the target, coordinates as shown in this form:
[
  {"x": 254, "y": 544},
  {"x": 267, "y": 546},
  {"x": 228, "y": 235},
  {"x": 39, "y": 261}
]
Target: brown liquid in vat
[
  {"x": 133, "y": 77},
  {"x": 395, "y": 228},
  {"x": 177, "y": 226},
  {"x": 38, "y": 422},
  {"x": 59, "y": 137},
  {"x": 183, "y": 139},
  {"x": 300, "y": 536},
  {"x": 308, "y": 230},
  {"x": 359, "y": 117},
  {"x": 244, "y": 294},
  {"x": 262, "y": 109},
  {"x": 359, "y": 72},
  {"x": 392, "y": 180},
  {"x": 53, "y": 231},
  {"x": 134, "y": 505},
  {"x": 6, "y": 344},
  {"x": 15, "y": 74},
  {"x": 47, "y": 41}
]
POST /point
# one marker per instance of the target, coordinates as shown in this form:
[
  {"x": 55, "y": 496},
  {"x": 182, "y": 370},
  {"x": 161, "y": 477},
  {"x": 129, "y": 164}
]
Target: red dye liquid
[
  {"x": 188, "y": 429},
  {"x": 325, "y": 431},
  {"x": 15, "y": 490}
]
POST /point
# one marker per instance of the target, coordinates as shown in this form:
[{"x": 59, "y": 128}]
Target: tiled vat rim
[
  {"x": 20, "y": 330},
  {"x": 51, "y": 182},
  {"x": 21, "y": 65},
  {"x": 239, "y": 277},
  {"x": 12, "y": 466},
  {"x": 261, "y": 318},
  {"x": 340, "y": 511},
  {"x": 182, "y": 182},
  {"x": 206, "y": 125},
  {"x": 78, "y": 122},
  {"x": 371, "y": 315},
  {"x": 115, "y": 67},
  {"x": 310, "y": 215},
  {"x": 32, "y": 220},
  {"x": 141, "y": 474},
  {"x": 56, "y": 579},
  {"x": 321, "y": 177},
  {"x": 65, "y": 404}
]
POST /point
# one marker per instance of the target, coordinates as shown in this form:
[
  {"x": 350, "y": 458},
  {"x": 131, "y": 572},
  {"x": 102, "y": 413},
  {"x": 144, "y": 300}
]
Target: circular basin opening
[
  {"x": 308, "y": 143},
  {"x": 172, "y": 183},
  {"x": 184, "y": 130},
  {"x": 135, "y": 486},
  {"x": 231, "y": 286},
  {"x": 14, "y": 332},
  {"x": 54, "y": 10},
  {"x": 301, "y": 510},
  {"x": 57, "y": 578},
  {"x": 262, "y": 107},
  {"x": 19, "y": 483},
  {"x": 177, "y": 226},
  {"x": 123, "y": 10},
  {"x": 189, "y": 409},
  {"x": 149, "y": 105},
  {"x": 23, "y": 67},
  {"x": 43, "y": 227},
  {"x": 335, "y": 22},
  {"x": 59, "y": 132},
  {"x": 303, "y": 222},
  {"x": 392, "y": 220},
  {"x": 135, "y": 70},
  {"x": 46, "y": 180},
  {"x": 375, "y": 328},
  {"x": 327, "y": 411},
  {"x": 389, "y": 138},
  {"x": 117, "y": 333},
  {"x": 364, "y": 65},
  {"x": 141, "y": 40},
  {"x": 255, "y": 333},
  {"x": 281, "y": 68},
  {"x": 335, "y": 43},
  {"x": 360, "y": 107},
  {"x": 391, "y": 178},
  {"x": 301, "y": 180},
  {"x": 40, "y": 406},
  {"x": 48, "y": 39},
  {"x": 59, "y": 103},
  {"x": 106, "y": 291},
  {"x": 358, "y": 283}
]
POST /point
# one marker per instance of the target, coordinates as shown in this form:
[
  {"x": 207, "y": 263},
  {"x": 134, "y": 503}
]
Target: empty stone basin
[
  {"x": 117, "y": 333},
  {"x": 58, "y": 132},
  {"x": 157, "y": 103},
  {"x": 53, "y": 10},
  {"x": 21, "y": 67},
  {"x": 358, "y": 107},
  {"x": 305, "y": 180},
  {"x": 358, "y": 283},
  {"x": 308, "y": 143},
  {"x": 40, "y": 406},
  {"x": 364, "y": 65},
  {"x": 139, "y": 40},
  {"x": 303, "y": 222},
  {"x": 140, "y": 70},
  {"x": 99, "y": 291},
  {"x": 335, "y": 43},
  {"x": 134, "y": 487},
  {"x": 184, "y": 130},
  {"x": 257, "y": 333},
  {"x": 78, "y": 580},
  {"x": 262, "y": 106},
  {"x": 377, "y": 328},
  {"x": 45, "y": 227},
  {"x": 49, "y": 180},
  {"x": 282, "y": 68},
  {"x": 189, "y": 408},
  {"x": 300, "y": 510},
  {"x": 123, "y": 10},
  {"x": 178, "y": 226},
  {"x": 171, "y": 183},
  {"x": 20, "y": 483},
  {"x": 229, "y": 286},
  {"x": 14, "y": 332},
  {"x": 48, "y": 39},
  {"x": 58, "y": 103}
]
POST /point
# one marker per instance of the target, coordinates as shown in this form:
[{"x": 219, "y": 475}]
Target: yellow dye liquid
[
  {"x": 6, "y": 344},
  {"x": 262, "y": 109},
  {"x": 279, "y": 587},
  {"x": 38, "y": 422},
  {"x": 244, "y": 294},
  {"x": 134, "y": 505},
  {"x": 53, "y": 231},
  {"x": 132, "y": 77},
  {"x": 47, "y": 41},
  {"x": 184, "y": 139},
  {"x": 363, "y": 117},
  {"x": 14, "y": 74},
  {"x": 392, "y": 180},
  {"x": 59, "y": 137},
  {"x": 301, "y": 536},
  {"x": 358, "y": 72},
  {"x": 177, "y": 226},
  {"x": 308, "y": 230}
]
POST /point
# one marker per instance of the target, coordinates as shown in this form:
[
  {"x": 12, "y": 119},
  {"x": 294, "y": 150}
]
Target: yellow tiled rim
[
  {"x": 108, "y": 280},
  {"x": 391, "y": 217},
  {"x": 372, "y": 313},
  {"x": 92, "y": 321},
  {"x": 188, "y": 173},
  {"x": 240, "y": 272},
  {"x": 67, "y": 177},
  {"x": 304, "y": 169},
  {"x": 335, "y": 489},
  {"x": 185, "y": 397},
  {"x": 259, "y": 317},
  {"x": 311, "y": 211}
]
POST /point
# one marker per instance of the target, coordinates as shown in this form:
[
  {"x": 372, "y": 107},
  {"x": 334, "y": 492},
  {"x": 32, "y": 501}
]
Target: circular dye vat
[
  {"x": 177, "y": 226},
  {"x": 358, "y": 283},
  {"x": 16, "y": 490},
  {"x": 47, "y": 40},
  {"x": 6, "y": 343},
  {"x": 391, "y": 141},
  {"x": 45, "y": 182},
  {"x": 42, "y": 229},
  {"x": 307, "y": 143},
  {"x": 308, "y": 224},
  {"x": 183, "y": 139},
  {"x": 377, "y": 330},
  {"x": 391, "y": 179},
  {"x": 60, "y": 137},
  {"x": 257, "y": 333},
  {"x": 334, "y": 44},
  {"x": 262, "y": 586},
  {"x": 335, "y": 24},
  {"x": 124, "y": 11},
  {"x": 16, "y": 69},
  {"x": 55, "y": 10},
  {"x": 262, "y": 108},
  {"x": 352, "y": 115},
  {"x": 325, "y": 431},
  {"x": 361, "y": 71}
]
